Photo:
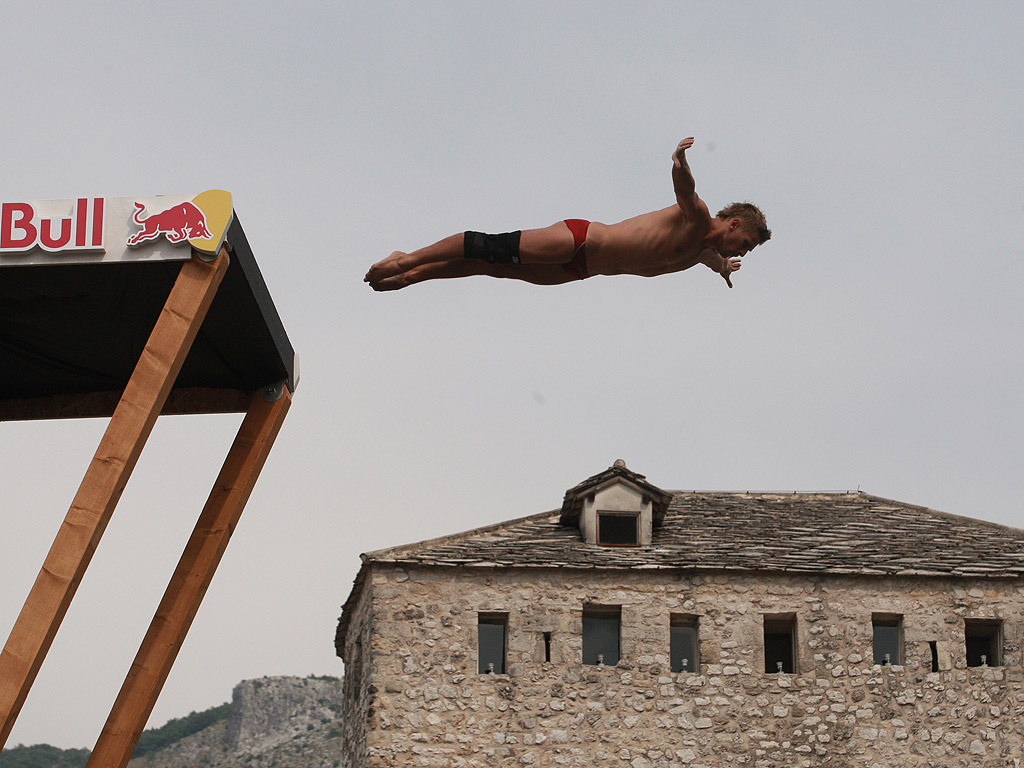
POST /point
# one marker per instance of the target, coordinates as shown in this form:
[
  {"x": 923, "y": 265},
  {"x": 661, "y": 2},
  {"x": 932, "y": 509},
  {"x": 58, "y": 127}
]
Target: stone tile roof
[
  {"x": 839, "y": 533},
  {"x": 828, "y": 533}
]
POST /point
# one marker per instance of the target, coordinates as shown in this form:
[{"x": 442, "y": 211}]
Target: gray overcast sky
[{"x": 874, "y": 342}]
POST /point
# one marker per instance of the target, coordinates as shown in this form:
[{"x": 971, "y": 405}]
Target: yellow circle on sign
[{"x": 216, "y": 207}]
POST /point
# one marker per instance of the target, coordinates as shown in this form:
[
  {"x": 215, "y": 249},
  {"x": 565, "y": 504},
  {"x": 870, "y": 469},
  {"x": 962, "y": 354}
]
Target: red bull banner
[{"x": 97, "y": 229}]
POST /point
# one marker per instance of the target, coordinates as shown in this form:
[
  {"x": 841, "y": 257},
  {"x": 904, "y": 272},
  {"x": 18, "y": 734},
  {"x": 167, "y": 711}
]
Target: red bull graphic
[
  {"x": 22, "y": 228},
  {"x": 183, "y": 221}
]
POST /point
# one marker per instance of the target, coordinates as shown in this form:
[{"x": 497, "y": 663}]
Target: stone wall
[
  {"x": 420, "y": 702},
  {"x": 358, "y": 706}
]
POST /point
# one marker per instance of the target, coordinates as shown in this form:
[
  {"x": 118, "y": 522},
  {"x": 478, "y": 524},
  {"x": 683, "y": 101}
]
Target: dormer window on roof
[
  {"x": 615, "y": 529},
  {"x": 615, "y": 508}
]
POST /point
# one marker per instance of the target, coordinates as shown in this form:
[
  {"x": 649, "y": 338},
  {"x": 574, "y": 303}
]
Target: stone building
[{"x": 642, "y": 628}]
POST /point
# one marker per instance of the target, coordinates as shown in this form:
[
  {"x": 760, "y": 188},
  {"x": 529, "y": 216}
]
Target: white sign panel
[{"x": 90, "y": 230}]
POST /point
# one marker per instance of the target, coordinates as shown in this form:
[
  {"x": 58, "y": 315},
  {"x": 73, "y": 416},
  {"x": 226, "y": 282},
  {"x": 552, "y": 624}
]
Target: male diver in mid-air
[{"x": 655, "y": 243}]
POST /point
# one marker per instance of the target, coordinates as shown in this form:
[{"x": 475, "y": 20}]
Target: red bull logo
[
  {"x": 22, "y": 228},
  {"x": 184, "y": 221},
  {"x": 88, "y": 230}
]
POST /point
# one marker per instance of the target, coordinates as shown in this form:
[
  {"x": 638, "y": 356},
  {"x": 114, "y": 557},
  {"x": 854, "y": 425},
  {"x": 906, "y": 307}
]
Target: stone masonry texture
[{"x": 413, "y": 696}]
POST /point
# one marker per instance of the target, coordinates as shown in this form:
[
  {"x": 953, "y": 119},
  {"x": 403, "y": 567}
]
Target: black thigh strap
[{"x": 496, "y": 249}]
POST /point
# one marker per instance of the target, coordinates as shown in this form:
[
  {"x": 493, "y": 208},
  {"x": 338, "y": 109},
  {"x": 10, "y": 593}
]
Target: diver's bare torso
[{"x": 650, "y": 244}]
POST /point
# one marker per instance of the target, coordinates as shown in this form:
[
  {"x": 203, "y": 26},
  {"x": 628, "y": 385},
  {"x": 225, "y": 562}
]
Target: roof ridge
[{"x": 779, "y": 492}]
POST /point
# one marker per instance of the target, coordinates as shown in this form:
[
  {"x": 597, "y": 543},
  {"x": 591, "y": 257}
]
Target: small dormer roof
[{"x": 572, "y": 504}]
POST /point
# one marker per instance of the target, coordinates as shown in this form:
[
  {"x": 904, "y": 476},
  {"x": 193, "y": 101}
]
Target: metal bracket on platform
[{"x": 272, "y": 392}]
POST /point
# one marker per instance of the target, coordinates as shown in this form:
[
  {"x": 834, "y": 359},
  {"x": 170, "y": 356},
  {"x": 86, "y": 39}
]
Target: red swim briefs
[{"x": 578, "y": 266}]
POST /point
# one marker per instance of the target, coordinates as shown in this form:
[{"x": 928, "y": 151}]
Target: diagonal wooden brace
[
  {"x": 104, "y": 481},
  {"x": 190, "y": 581}
]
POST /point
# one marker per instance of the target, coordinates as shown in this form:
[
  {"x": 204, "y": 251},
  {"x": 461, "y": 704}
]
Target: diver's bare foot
[{"x": 392, "y": 265}]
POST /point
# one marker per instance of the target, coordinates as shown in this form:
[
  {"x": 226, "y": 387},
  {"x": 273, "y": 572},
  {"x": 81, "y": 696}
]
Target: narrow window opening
[
  {"x": 779, "y": 643},
  {"x": 618, "y": 530},
  {"x": 983, "y": 639},
  {"x": 492, "y": 629},
  {"x": 887, "y": 632},
  {"x": 683, "y": 643},
  {"x": 601, "y": 634},
  {"x": 934, "y": 647},
  {"x": 547, "y": 646}
]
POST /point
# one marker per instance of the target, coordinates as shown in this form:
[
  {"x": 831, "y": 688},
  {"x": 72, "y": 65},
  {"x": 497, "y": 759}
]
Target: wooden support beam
[
  {"x": 104, "y": 481},
  {"x": 190, "y": 581}
]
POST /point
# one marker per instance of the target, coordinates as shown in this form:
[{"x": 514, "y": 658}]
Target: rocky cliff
[{"x": 274, "y": 722}]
